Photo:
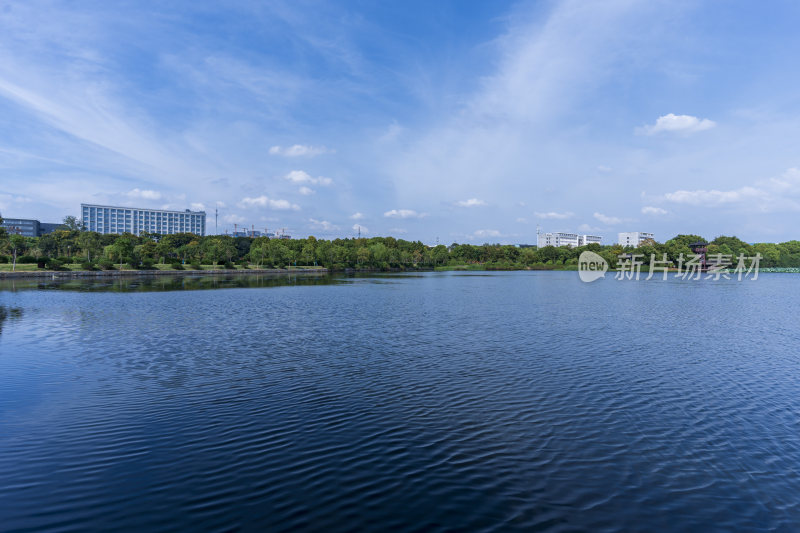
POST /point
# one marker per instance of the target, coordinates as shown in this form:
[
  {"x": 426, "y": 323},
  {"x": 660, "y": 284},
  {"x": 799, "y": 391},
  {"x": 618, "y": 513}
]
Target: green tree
[
  {"x": 73, "y": 224},
  {"x": 17, "y": 245}
]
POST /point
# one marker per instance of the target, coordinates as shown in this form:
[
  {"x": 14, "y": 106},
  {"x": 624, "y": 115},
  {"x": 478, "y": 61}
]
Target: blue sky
[{"x": 462, "y": 121}]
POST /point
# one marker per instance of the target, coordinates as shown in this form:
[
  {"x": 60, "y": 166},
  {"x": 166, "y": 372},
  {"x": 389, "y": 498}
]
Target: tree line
[{"x": 70, "y": 245}]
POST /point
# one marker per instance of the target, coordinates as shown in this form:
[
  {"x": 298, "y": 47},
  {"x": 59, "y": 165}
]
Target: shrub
[
  {"x": 106, "y": 264},
  {"x": 176, "y": 266},
  {"x": 4, "y": 259},
  {"x": 64, "y": 259},
  {"x": 148, "y": 264},
  {"x": 229, "y": 266},
  {"x": 196, "y": 265},
  {"x": 27, "y": 259},
  {"x": 87, "y": 265},
  {"x": 54, "y": 264}
]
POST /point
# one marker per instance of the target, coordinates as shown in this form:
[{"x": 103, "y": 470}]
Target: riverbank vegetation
[{"x": 71, "y": 248}]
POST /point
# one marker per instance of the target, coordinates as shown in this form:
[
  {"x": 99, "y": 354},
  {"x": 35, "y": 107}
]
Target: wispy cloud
[
  {"x": 605, "y": 219},
  {"x": 145, "y": 194},
  {"x": 306, "y": 191},
  {"x": 264, "y": 201},
  {"x": 322, "y": 224},
  {"x": 403, "y": 213},
  {"x": 672, "y": 123},
  {"x": 486, "y": 233},
  {"x": 356, "y": 216},
  {"x": 586, "y": 228},
  {"x": 233, "y": 218},
  {"x": 771, "y": 195},
  {"x": 300, "y": 150},
  {"x": 472, "y": 202},
  {"x": 554, "y": 215},
  {"x": 300, "y": 176},
  {"x": 650, "y": 210}
]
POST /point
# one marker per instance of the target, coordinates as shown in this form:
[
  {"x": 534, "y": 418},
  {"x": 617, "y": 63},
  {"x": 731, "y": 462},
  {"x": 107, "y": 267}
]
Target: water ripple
[{"x": 435, "y": 402}]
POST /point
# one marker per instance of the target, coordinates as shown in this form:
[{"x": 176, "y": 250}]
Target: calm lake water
[{"x": 432, "y": 401}]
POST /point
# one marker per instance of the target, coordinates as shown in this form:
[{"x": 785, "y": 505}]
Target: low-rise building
[
  {"x": 28, "y": 227},
  {"x": 21, "y": 226},
  {"x": 633, "y": 238}
]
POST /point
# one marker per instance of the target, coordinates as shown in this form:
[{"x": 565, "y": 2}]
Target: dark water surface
[{"x": 435, "y": 401}]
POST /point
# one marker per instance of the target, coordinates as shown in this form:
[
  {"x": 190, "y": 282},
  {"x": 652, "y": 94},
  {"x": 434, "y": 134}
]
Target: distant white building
[
  {"x": 557, "y": 239},
  {"x": 110, "y": 219},
  {"x": 633, "y": 238},
  {"x": 583, "y": 240},
  {"x": 566, "y": 239}
]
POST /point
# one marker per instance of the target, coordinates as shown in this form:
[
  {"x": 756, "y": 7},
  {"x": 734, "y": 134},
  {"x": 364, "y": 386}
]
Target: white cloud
[
  {"x": 144, "y": 194},
  {"x": 299, "y": 150},
  {"x": 322, "y": 224},
  {"x": 650, "y": 210},
  {"x": 484, "y": 233},
  {"x": 554, "y": 215},
  {"x": 356, "y": 216},
  {"x": 589, "y": 229},
  {"x": 305, "y": 191},
  {"x": 357, "y": 227},
  {"x": 522, "y": 220},
  {"x": 403, "y": 213},
  {"x": 607, "y": 219},
  {"x": 677, "y": 124},
  {"x": 392, "y": 132},
  {"x": 472, "y": 202},
  {"x": 264, "y": 201},
  {"x": 299, "y": 176},
  {"x": 715, "y": 197},
  {"x": 197, "y": 206},
  {"x": 233, "y": 219},
  {"x": 6, "y": 200},
  {"x": 771, "y": 195}
]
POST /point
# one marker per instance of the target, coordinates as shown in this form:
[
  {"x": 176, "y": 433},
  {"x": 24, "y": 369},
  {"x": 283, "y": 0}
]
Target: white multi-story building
[
  {"x": 566, "y": 239},
  {"x": 583, "y": 240},
  {"x": 557, "y": 239},
  {"x": 109, "y": 219},
  {"x": 633, "y": 238}
]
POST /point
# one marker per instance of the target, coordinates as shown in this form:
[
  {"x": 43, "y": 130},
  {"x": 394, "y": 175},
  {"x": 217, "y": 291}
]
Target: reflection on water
[
  {"x": 169, "y": 283},
  {"x": 8, "y": 313}
]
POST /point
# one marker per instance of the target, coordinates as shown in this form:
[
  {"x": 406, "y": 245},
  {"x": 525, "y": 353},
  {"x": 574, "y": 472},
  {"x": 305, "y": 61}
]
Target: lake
[{"x": 421, "y": 401}]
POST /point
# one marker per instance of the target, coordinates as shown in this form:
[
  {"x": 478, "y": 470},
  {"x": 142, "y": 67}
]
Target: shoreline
[
  {"x": 70, "y": 274},
  {"x": 75, "y": 274}
]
